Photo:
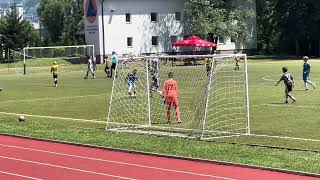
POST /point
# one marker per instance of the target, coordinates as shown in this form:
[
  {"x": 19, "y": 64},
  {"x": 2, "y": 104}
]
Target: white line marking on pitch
[
  {"x": 57, "y": 98},
  {"x": 267, "y": 79},
  {"x": 68, "y": 168},
  {"x": 53, "y": 117},
  {"x": 19, "y": 175},
  {"x": 285, "y": 137},
  {"x": 118, "y": 162},
  {"x": 277, "y": 105}
]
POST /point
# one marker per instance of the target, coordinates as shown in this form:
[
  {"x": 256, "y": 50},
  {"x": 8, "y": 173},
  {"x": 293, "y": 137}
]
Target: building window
[
  {"x": 154, "y": 17},
  {"x": 154, "y": 40},
  {"x": 173, "y": 39},
  {"x": 221, "y": 40},
  {"x": 128, "y": 17},
  {"x": 178, "y": 16},
  {"x": 233, "y": 40},
  {"x": 129, "y": 41}
]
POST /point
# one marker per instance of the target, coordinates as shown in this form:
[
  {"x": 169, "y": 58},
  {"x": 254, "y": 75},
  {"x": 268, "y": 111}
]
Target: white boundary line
[
  {"x": 68, "y": 168},
  {"x": 287, "y": 105},
  {"x": 285, "y": 137},
  {"x": 52, "y": 98},
  {"x": 117, "y": 162},
  {"x": 53, "y": 117},
  {"x": 267, "y": 79},
  {"x": 19, "y": 175}
]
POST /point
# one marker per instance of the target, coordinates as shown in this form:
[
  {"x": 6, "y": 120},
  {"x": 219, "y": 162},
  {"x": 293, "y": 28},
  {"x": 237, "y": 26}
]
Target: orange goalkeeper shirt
[{"x": 170, "y": 88}]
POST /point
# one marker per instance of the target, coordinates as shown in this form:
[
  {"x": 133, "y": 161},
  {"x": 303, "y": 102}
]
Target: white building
[{"x": 142, "y": 26}]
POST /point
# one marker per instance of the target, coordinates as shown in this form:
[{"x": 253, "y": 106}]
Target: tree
[
  {"x": 18, "y": 33},
  {"x": 288, "y": 26},
  {"x": 62, "y": 19},
  {"x": 299, "y": 25},
  {"x": 73, "y": 22},
  {"x": 219, "y": 17},
  {"x": 51, "y": 14},
  {"x": 268, "y": 32}
]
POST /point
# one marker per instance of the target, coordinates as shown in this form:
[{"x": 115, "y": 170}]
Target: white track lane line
[
  {"x": 119, "y": 162},
  {"x": 68, "y": 168},
  {"x": 52, "y": 98},
  {"x": 53, "y": 117},
  {"x": 19, "y": 175}
]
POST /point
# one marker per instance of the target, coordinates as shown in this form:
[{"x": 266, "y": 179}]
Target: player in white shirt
[{"x": 90, "y": 67}]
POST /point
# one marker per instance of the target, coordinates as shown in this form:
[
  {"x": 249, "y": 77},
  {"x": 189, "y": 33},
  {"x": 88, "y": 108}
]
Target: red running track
[{"x": 32, "y": 159}]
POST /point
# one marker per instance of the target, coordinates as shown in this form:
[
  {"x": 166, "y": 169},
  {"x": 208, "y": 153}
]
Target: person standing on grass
[
  {"x": 288, "y": 84},
  {"x": 107, "y": 66},
  {"x": 55, "y": 70},
  {"x": 132, "y": 78},
  {"x": 90, "y": 67},
  {"x": 114, "y": 60},
  {"x": 237, "y": 67},
  {"x": 171, "y": 93},
  {"x": 154, "y": 69},
  {"x": 306, "y": 73}
]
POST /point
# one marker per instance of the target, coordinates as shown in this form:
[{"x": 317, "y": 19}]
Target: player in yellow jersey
[{"x": 55, "y": 70}]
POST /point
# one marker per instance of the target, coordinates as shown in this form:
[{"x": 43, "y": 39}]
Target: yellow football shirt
[{"x": 55, "y": 69}]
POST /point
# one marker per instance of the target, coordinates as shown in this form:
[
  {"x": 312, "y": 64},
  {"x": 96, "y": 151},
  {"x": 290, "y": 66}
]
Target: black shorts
[
  {"x": 289, "y": 88},
  {"x": 55, "y": 76},
  {"x": 113, "y": 66}
]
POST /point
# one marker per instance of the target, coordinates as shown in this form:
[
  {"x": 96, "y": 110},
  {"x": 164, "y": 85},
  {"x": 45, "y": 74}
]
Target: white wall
[{"x": 141, "y": 29}]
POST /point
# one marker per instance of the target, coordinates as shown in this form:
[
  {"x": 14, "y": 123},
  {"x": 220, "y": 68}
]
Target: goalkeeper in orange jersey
[
  {"x": 171, "y": 93},
  {"x": 55, "y": 70}
]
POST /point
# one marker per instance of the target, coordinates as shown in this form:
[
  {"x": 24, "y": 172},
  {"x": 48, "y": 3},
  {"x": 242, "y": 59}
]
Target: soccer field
[{"x": 78, "y": 109}]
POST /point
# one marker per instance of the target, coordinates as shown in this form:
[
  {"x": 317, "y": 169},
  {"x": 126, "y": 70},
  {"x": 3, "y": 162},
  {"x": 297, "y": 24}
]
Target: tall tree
[
  {"x": 51, "y": 14},
  {"x": 267, "y": 27},
  {"x": 74, "y": 21},
  {"x": 17, "y": 32},
  {"x": 223, "y": 18},
  {"x": 289, "y": 26},
  {"x": 299, "y": 24}
]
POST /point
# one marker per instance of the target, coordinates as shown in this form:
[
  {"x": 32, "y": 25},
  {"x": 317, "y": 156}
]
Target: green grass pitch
[{"x": 62, "y": 114}]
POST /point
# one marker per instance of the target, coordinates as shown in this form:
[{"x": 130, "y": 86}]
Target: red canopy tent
[{"x": 194, "y": 41}]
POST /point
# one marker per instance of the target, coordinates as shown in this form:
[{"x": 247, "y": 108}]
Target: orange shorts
[{"x": 172, "y": 101}]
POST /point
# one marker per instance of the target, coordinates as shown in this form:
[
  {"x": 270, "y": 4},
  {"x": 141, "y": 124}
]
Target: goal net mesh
[
  {"x": 212, "y": 96},
  {"x": 37, "y": 59}
]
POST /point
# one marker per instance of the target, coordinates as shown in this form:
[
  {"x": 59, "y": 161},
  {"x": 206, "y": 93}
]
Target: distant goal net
[
  {"x": 213, "y": 96},
  {"x": 37, "y": 59}
]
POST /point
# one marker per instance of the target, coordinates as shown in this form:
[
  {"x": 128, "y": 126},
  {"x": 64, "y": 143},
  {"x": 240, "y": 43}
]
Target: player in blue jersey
[
  {"x": 154, "y": 69},
  {"x": 288, "y": 84},
  {"x": 306, "y": 73},
  {"x": 132, "y": 78}
]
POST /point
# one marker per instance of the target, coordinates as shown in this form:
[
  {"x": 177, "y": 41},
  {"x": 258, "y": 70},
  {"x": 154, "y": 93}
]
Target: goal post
[
  {"x": 71, "y": 57},
  {"x": 213, "y": 96}
]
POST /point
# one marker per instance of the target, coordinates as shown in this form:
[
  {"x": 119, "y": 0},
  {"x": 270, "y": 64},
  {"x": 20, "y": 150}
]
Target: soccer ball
[{"x": 21, "y": 118}]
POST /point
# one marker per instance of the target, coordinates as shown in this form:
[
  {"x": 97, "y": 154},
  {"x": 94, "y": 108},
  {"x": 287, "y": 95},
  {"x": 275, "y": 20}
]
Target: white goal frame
[
  {"x": 51, "y": 47},
  {"x": 139, "y": 127}
]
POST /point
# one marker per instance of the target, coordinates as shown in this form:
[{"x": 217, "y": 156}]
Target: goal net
[
  {"x": 213, "y": 96},
  {"x": 37, "y": 59}
]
